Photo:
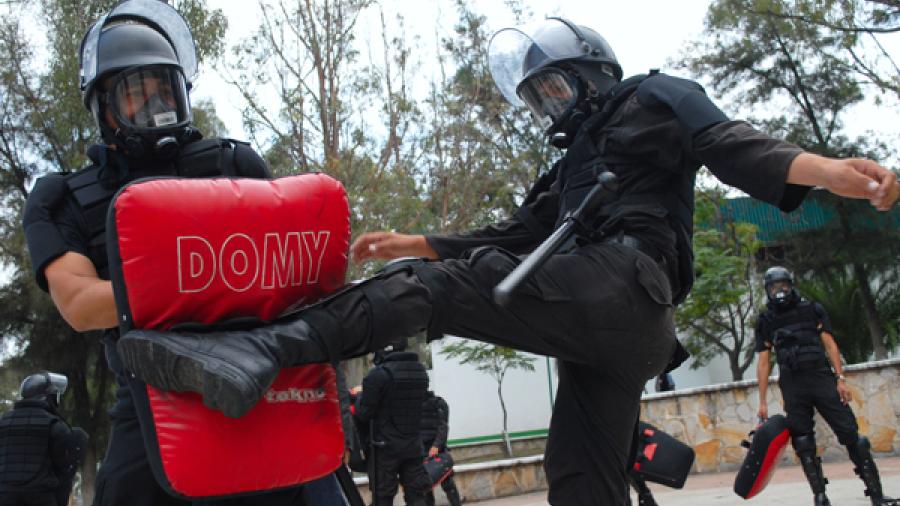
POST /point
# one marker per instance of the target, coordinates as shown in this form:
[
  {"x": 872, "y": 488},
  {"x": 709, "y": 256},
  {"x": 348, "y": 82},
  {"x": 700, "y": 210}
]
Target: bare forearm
[
  {"x": 763, "y": 368},
  {"x": 848, "y": 177},
  {"x": 92, "y": 307}
]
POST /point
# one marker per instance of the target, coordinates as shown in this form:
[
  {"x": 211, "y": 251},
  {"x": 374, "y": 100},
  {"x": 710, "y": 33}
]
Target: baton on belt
[{"x": 573, "y": 221}]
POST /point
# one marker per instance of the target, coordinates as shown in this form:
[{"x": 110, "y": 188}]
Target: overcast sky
[{"x": 644, "y": 34}]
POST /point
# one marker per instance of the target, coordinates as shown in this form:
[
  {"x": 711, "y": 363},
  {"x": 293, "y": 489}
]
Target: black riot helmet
[
  {"x": 44, "y": 385},
  {"x": 137, "y": 63},
  {"x": 399, "y": 344},
  {"x": 779, "y": 283},
  {"x": 560, "y": 70}
]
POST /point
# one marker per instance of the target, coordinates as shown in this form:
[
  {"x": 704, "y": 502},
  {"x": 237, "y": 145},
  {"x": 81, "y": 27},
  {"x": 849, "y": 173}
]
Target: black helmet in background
[
  {"x": 44, "y": 385},
  {"x": 561, "y": 71},
  {"x": 779, "y": 283},
  {"x": 137, "y": 64}
]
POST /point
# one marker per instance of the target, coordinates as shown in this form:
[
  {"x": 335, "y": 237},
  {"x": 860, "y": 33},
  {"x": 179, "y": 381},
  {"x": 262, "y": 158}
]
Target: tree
[
  {"x": 44, "y": 127},
  {"x": 757, "y": 59},
  {"x": 481, "y": 153},
  {"x": 719, "y": 315},
  {"x": 335, "y": 111},
  {"x": 495, "y": 361},
  {"x": 859, "y": 25}
]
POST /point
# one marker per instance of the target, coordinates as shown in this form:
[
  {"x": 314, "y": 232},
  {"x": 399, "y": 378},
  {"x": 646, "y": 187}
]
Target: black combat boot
[
  {"x": 230, "y": 369},
  {"x": 861, "y": 455},
  {"x": 805, "y": 446},
  {"x": 233, "y": 369}
]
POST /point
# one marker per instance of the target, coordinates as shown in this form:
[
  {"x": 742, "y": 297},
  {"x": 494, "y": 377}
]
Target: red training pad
[
  {"x": 209, "y": 250},
  {"x": 206, "y": 250},
  {"x": 768, "y": 444}
]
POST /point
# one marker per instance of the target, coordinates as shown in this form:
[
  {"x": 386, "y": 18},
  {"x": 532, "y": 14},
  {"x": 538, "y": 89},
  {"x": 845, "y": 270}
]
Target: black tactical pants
[
  {"x": 387, "y": 472},
  {"x": 805, "y": 390},
  {"x": 605, "y": 310}
]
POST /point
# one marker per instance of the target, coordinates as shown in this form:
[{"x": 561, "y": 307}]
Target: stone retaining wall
[
  {"x": 486, "y": 480},
  {"x": 714, "y": 419}
]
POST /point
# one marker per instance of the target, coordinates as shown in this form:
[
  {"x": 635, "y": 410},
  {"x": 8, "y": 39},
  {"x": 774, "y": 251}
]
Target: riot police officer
[
  {"x": 390, "y": 401},
  {"x": 603, "y": 305},
  {"x": 137, "y": 65},
  {"x": 810, "y": 376},
  {"x": 39, "y": 451},
  {"x": 435, "y": 427}
]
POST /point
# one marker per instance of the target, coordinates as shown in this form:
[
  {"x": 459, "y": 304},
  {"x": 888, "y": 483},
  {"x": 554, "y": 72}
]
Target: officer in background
[
  {"x": 435, "y": 427},
  {"x": 604, "y": 305},
  {"x": 800, "y": 334},
  {"x": 390, "y": 401},
  {"x": 137, "y": 65},
  {"x": 39, "y": 452}
]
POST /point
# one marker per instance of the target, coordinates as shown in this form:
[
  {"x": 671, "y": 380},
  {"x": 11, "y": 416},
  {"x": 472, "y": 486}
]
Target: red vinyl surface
[
  {"x": 770, "y": 461},
  {"x": 208, "y": 250}
]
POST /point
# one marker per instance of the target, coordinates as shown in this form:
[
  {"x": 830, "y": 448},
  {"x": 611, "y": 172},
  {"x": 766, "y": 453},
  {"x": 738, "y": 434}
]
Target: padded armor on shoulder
[
  {"x": 686, "y": 99},
  {"x": 25, "y": 448}
]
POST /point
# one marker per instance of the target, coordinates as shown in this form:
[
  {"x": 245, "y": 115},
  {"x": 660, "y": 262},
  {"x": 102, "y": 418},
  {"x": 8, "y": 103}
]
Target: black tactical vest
[
  {"x": 95, "y": 186},
  {"x": 643, "y": 147},
  {"x": 795, "y": 336},
  {"x": 401, "y": 408},
  {"x": 25, "y": 447}
]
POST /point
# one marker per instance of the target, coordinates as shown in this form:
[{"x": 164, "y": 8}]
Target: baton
[{"x": 573, "y": 220}]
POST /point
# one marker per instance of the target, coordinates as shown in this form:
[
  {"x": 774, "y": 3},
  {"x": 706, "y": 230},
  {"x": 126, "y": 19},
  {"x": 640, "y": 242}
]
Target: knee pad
[
  {"x": 804, "y": 444},
  {"x": 860, "y": 450}
]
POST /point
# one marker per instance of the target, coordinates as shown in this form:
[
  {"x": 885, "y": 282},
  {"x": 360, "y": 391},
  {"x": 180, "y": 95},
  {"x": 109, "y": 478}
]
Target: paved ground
[{"x": 787, "y": 488}]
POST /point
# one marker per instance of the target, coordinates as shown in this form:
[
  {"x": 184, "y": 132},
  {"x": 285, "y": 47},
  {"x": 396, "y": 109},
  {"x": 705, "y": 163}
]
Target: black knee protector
[
  {"x": 804, "y": 444},
  {"x": 860, "y": 452}
]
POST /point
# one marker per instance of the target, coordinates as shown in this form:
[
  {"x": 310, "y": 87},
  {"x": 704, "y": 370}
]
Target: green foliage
[
  {"x": 44, "y": 127},
  {"x": 492, "y": 360},
  {"x": 482, "y": 153},
  {"x": 719, "y": 315}
]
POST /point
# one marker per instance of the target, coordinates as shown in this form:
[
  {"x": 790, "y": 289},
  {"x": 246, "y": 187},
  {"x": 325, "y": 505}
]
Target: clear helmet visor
[
  {"x": 548, "y": 95},
  {"x": 162, "y": 16},
  {"x": 513, "y": 53},
  {"x": 150, "y": 98}
]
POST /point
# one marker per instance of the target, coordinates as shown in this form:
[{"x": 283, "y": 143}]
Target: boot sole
[{"x": 168, "y": 366}]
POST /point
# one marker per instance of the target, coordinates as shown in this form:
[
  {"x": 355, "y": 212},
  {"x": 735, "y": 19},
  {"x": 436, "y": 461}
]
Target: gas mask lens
[
  {"x": 150, "y": 98},
  {"x": 548, "y": 95},
  {"x": 778, "y": 290}
]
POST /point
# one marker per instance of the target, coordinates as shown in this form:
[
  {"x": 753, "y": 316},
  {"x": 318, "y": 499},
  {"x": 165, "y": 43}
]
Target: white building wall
[
  {"x": 472, "y": 396},
  {"x": 475, "y": 407}
]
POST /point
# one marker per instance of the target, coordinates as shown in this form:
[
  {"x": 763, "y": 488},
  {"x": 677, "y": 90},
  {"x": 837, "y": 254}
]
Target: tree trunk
[
  {"x": 873, "y": 321},
  {"x": 88, "y": 475},
  {"x": 734, "y": 362},
  {"x": 506, "y": 440}
]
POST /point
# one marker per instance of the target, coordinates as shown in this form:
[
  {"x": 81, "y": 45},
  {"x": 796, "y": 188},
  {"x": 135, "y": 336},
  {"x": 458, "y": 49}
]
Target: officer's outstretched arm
[
  {"x": 848, "y": 177},
  {"x": 85, "y": 301}
]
